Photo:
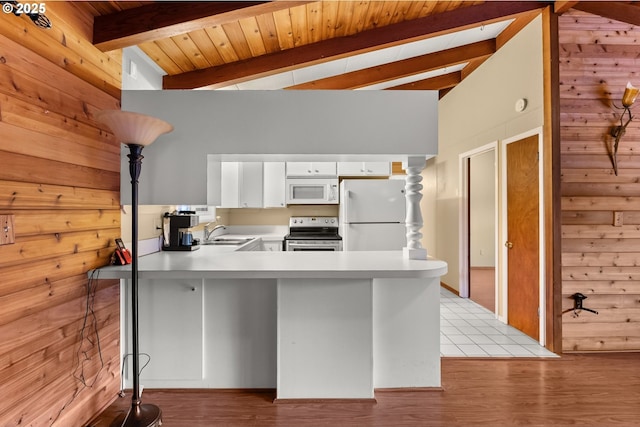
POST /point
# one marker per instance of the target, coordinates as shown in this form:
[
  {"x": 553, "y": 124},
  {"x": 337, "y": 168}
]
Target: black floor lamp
[{"x": 136, "y": 131}]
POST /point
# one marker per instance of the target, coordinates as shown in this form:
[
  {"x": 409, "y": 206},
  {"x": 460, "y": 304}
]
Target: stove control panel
[{"x": 313, "y": 221}]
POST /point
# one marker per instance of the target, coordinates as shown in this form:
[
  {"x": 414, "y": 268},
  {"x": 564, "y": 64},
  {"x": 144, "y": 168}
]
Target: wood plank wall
[
  {"x": 597, "y": 58},
  {"x": 59, "y": 178}
]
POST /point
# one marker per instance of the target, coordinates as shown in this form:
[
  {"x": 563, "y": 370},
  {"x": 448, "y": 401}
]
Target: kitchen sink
[{"x": 227, "y": 241}]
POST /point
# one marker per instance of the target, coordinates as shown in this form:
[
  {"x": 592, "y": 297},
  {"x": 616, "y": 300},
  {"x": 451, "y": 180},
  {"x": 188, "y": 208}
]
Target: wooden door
[{"x": 523, "y": 235}]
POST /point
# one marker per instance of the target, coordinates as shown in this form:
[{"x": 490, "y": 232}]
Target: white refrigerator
[{"x": 372, "y": 214}]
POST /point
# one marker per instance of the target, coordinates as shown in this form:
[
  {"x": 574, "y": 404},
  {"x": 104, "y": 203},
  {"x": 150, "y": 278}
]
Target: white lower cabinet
[
  {"x": 203, "y": 333},
  {"x": 272, "y": 245},
  {"x": 240, "y": 334},
  {"x": 170, "y": 324},
  {"x": 255, "y": 245}
]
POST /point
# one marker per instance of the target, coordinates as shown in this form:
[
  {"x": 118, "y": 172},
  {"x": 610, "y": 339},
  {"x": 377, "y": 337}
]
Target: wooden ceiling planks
[
  {"x": 238, "y": 36},
  {"x": 167, "y": 19},
  {"x": 337, "y": 47},
  {"x": 284, "y": 31},
  {"x": 217, "y": 44}
]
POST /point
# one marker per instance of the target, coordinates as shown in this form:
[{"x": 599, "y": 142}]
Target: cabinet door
[
  {"x": 364, "y": 169},
  {"x": 324, "y": 168},
  {"x": 274, "y": 185},
  {"x": 377, "y": 168},
  {"x": 351, "y": 168},
  {"x": 272, "y": 246},
  {"x": 170, "y": 325},
  {"x": 311, "y": 168},
  {"x": 299, "y": 169},
  {"x": 214, "y": 175},
  {"x": 230, "y": 185},
  {"x": 250, "y": 185}
]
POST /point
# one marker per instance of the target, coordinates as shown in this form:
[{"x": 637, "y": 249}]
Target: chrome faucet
[{"x": 208, "y": 233}]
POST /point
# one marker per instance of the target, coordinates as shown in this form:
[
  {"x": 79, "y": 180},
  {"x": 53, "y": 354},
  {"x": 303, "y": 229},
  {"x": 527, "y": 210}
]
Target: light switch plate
[
  {"x": 7, "y": 233},
  {"x": 618, "y": 219}
]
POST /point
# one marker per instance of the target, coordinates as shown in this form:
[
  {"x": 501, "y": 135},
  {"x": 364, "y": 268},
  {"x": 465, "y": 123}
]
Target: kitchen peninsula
[{"x": 311, "y": 324}]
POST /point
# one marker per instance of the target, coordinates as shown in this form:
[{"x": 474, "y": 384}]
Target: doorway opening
[
  {"x": 482, "y": 229},
  {"x": 518, "y": 230},
  {"x": 479, "y": 226}
]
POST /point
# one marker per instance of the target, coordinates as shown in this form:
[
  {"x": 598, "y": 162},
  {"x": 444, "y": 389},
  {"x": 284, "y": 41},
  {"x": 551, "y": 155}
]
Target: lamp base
[{"x": 146, "y": 415}]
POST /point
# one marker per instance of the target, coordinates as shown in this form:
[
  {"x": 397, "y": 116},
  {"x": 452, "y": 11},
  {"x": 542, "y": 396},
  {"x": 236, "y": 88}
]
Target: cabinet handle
[
  {"x": 508, "y": 245},
  {"x": 192, "y": 288}
]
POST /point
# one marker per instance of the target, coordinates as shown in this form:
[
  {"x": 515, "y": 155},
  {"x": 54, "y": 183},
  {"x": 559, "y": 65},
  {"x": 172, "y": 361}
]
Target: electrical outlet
[{"x": 7, "y": 232}]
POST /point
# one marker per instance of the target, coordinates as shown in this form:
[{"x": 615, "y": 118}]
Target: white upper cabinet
[
  {"x": 241, "y": 185},
  {"x": 364, "y": 168},
  {"x": 214, "y": 177},
  {"x": 274, "y": 185},
  {"x": 229, "y": 184},
  {"x": 300, "y": 169}
]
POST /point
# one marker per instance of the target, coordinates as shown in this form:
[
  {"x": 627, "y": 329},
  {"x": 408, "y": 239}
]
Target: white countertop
[{"x": 225, "y": 262}]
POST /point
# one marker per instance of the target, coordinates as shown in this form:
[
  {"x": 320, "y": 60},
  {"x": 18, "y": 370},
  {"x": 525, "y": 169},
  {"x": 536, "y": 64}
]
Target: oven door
[
  {"x": 313, "y": 245},
  {"x": 312, "y": 191}
]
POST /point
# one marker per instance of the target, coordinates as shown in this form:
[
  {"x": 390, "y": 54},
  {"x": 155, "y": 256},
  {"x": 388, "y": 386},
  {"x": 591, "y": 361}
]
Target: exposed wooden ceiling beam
[
  {"x": 434, "y": 83},
  {"x": 167, "y": 19},
  {"x": 341, "y": 47},
  {"x": 448, "y": 81},
  {"x": 561, "y": 7},
  {"x": 404, "y": 68},
  {"x": 616, "y": 10}
]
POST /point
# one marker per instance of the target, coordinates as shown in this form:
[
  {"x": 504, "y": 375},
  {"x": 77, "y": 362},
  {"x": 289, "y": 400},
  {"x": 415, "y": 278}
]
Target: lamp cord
[
  {"x": 84, "y": 353},
  {"x": 124, "y": 361}
]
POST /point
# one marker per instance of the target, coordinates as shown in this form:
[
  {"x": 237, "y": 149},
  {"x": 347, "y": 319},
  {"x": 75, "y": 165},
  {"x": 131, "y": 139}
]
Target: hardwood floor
[
  {"x": 482, "y": 286},
  {"x": 583, "y": 390}
]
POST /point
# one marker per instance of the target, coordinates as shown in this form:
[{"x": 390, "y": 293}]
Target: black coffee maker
[{"x": 176, "y": 233}]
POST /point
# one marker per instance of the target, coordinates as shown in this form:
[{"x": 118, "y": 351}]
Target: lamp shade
[
  {"x": 629, "y": 96},
  {"x": 133, "y": 128}
]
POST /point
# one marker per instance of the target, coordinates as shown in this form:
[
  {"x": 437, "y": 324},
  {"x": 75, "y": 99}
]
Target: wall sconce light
[{"x": 628, "y": 98}]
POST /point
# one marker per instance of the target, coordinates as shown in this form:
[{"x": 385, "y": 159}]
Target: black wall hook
[{"x": 578, "y": 298}]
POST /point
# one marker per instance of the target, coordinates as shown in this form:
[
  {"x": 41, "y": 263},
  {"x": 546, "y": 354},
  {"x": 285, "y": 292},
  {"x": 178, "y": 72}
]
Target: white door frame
[
  {"x": 541, "y": 230},
  {"x": 464, "y": 219}
]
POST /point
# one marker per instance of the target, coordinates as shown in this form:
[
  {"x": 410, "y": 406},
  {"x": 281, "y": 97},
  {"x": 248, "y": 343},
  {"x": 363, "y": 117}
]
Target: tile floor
[{"x": 469, "y": 330}]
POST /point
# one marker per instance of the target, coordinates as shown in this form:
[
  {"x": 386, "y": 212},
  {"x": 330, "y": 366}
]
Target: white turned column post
[{"x": 413, "y": 194}]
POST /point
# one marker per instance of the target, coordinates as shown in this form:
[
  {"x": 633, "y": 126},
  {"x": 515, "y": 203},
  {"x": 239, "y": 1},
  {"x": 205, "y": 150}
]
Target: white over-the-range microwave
[{"x": 312, "y": 191}]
